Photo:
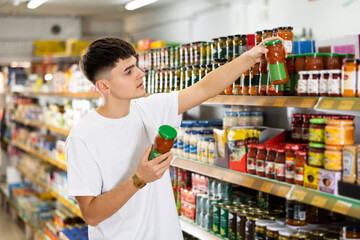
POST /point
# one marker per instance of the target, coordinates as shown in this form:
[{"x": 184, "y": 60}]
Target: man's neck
[{"x": 114, "y": 108}]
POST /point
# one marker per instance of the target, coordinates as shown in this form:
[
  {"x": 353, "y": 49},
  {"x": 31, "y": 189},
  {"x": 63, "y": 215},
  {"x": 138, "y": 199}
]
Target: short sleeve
[{"x": 84, "y": 178}]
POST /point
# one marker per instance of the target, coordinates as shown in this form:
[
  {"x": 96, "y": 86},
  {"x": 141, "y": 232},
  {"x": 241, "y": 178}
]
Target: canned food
[
  {"x": 224, "y": 190},
  {"x": 208, "y": 222},
  {"x": 212, "y": 202},
  {"x": 224, "y": 218},
  {"x": 216, "y": 216}
]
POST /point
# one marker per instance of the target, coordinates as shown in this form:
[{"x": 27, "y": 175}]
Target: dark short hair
[{"x": 102, "y": 55}]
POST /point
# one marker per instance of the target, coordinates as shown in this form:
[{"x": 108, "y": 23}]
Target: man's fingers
[
  {"x": 157, "y": 160},
  {"x": 147, "y": 153}
]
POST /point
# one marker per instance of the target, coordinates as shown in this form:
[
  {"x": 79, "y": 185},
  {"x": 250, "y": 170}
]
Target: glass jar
[
  {"x": 256, "y": 119},
  {"x": 290, "y": 85},
  {"x": 348, "y": 78},
  {"x": 345, "y": 56},
  {"x": 202, "y": 72},
  {"x": 300, "y": 161},
  {"x": 303, "y": 83},
  {"x": 243, "y": 119},
  {"x": 339, "y": 132},
  {"x": 245, "y": 83},
  {"x": 250, "y": 227},
  {"x": 331, "y": 61},
  {"x": 333, "y": 157},
  {"x": 299, "y": 66},
  {"x": 296, "y": 127},
  {"x": 285, "y": 234},
  {"x": 230, "y": 48},
  {"x": 237, "y": 87},
  {"x": 263, "y": 69},
  {"x": 280, "y": 164},
  {"x": 230, "y": 119},
  {"x": 295, "y": 213},
  {"x": 205, "y": 150},
  {"x": 314, "y": 61},
  {"x": 254, "y": 81},
  {"x": 203, "y": 53},
  {"x": 275, "y": 32},
  {"x": 276, "y": 59},
  {"x": 211, "y": 155},
  {"x": 316, "y": 154},
  {"x": 222, "y": 47},
  {"x": 316, "y": 215},
  {"x": 188, "y": 76},
  {"x": 267, "y": 34},
  {"x": 334, "y": 83},
  {"x": 324, "y": 81},
  {"x": 350, "y": 233},
  {"x": 209, "y": 53},
  {"x": 260, "y": 228},
  {"x": 288, "y": 36},
  {"x": 317, "y": 130},
  {"x": 232, "y": 223},
  {"x": 251, "y": 158},
  {"x": 272, "y": 231},
  {"x": 299, "y": 235},
  {"x": 186, "y": 151},
  {"x": 240, "y": 224},
  {"x": 305, "y": 128},
  {"x": 163, "y": 142},
  {"x": 258, "y": 37},
  {"x": 236, "y": 43},
  {"x": 290, "y": 162},
  {"x": 214, "y": 49},
  {"x": 199, "y": 148},
  {"x": 195, "y": 77},
  {"x": 313, "y": 86},
  {"x": 274, "y": 90},
  {"x": 260, "y": 160},
  {"x": 270, "y": 162}
]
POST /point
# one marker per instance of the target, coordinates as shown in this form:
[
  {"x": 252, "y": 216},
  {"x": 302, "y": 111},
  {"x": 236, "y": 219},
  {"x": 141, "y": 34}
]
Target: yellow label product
[{"x": 311, "y": 177}]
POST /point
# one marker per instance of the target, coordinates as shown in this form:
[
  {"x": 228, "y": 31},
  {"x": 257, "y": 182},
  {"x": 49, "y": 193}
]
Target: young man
[{"x": 120, "y": 193}]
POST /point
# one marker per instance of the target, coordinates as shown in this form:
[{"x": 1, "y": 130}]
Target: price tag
[
  {"x": 327, "y": 104},
  {"x": 260, "y": 101},
  {"x": 266, "y": 187},
  {"x": 307, "y": 103},
  {"x": 282, "y": 191},
  {"x": 346, "y": 104},
  {"x": 299, "y": 194},
  {"x": 279, "y": 102},
  {"x": 319, "y": 201},
  {"x": 341, "y": 207},
  {"x": 248, "y": 182}
]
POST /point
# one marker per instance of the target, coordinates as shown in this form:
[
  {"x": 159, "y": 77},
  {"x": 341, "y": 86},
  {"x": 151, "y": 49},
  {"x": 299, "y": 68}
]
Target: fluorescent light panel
[
  {"x": 138, "y": 4},
  {"x": 35, "y": 3}
]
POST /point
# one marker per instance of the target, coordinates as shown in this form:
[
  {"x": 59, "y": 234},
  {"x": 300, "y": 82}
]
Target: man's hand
[
  {"x": 257, "y": 52},
  {"x": 149, "y": 171}
]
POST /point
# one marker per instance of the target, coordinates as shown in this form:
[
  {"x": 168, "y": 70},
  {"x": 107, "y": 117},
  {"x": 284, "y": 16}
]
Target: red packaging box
[
  {"x": 188, "y": 196},
  {"x": 188, "y": 211}
]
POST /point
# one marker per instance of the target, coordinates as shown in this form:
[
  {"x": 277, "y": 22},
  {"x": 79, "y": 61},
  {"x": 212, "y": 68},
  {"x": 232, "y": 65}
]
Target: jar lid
[
  {"x": 286, "y": 232},
  {"x": 252, "y": 145},
  {"x": 289, "y": 28},
  {"x": 188, "y": 131},
  {"x": 273, "y": 42},
  {"x": 318, "y": 120},
  {"x": 267, "y": 31},
  {"x": 290, "y": 56},
  {"x": 316, "y": 145},
  {"x": 244, "y": 113},
  {"x": 215, "y": 39},
  {"x": 350, "y": 60},
  {"x": 306, "y": 115},
  {"x": 299, "y": 55},
  {"x": 301, "y": 153},
  {"x": 347, "y": 55},
  {"x": 264, "y": 223},
  {"x": 331, "y": 54},
  {"x": 209, "y": 65},
  {"x": 189, "y": 67},
  {"x": 270, "y": 148},
  {"x": 167, "y": 132},
  {"x": 280, "y": 150},
  {"x": 313, "y": 55},
  {"x": 314, "y": 72},
  {"x": 347, "y": 117},
  {"x": 297, "y": 115},
  {"x": 262, "y": 147},
  {"x": 335, "y": 71},
  {"x": 230, "y": 36},
  {"x": 317, "y": 116},
  {"x": 222, "y": 38},
  {"x": 275, "y": 227},
  {"x": 340, "y": 122},
  {"x": 293, "y": 147},
  {"x": 258, "y": 32}
]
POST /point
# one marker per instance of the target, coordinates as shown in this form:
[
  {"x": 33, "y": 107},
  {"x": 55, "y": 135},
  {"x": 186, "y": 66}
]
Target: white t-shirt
[{"x": 101, "y": 153}]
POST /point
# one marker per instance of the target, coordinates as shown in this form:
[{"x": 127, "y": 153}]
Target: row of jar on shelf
[{"x": 257, "y": 81}]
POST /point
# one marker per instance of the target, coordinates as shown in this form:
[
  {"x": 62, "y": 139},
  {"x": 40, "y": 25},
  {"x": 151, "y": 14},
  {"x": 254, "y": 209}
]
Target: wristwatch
[{"x": 138, "y": 182}]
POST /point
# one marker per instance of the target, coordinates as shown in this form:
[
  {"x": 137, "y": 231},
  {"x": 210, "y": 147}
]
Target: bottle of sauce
[
  {"x": 300, "y": 161},
  {"x": 324, "y": 81},
  {"x": 260, "y": 160},
  {"x": 163, "y": 142},
  {"x": 348, "y": 78},
  {"x": 290, "y": 162},
  {"x": 313, "y": 87},
  {"x": 280, "y": 164},
  {"x": 270, "y": 162},
  {"x": 251, "y": 159},
  {"x": 295, "y": 213},
  {"x": 302, "y": 83},
  {"x": 334, "y": 83},
  {"x": 305, "y": 128}
]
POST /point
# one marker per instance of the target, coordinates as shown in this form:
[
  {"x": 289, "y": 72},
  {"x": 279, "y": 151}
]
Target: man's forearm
[{"x": 106, "y": 204}]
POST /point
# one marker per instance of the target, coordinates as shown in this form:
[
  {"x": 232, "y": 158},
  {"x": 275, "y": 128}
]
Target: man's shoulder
[{"x": 84, "y": 126}]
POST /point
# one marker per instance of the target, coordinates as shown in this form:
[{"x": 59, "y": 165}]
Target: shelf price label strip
[
  {"x": 193, "y": 229},
  {"x": 349, "y": 104}
]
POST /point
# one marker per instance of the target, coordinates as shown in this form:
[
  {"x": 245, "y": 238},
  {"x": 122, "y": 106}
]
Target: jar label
[
  {"x": 277, "y": 71},
  {"x": 316, "y": 135},
  {"x": 290, "y": 169},
  {"x": 263, "y": 81},
  {"x": 334, "y": 86},
  {"x": 332, "y": 136},
  {"x": 211, "y": 155},
  {"x": 295, "y": 212},
  {"x": 299, "y": 174},
  {"x": 349, "y": 80},
  {"x": 288, "y": 44},
  {"x": 302, "y": 86},
  {"x": 296, "y": 133},
  {"x": 279, "y": 169},
  {"x": 242, "y": 49},
  {"x": 251, "y": 163},
  {"x": 204, "y": 153},
  {"x": 332, "y": 161},
  {"x": 193, "y": 149},
  {"x": 260, "y": 165},
  {"x": 269, "y": 168},
  {"x": 323, "y": 86},
  {"x": 255, "y": 81},
  {"x": 154, "y": 154},
  {"x": 313, "y": 86},
  {"x": 316, "y": 159},
  {"x": 187, "y": 148},
  {"x": 175, "y": 143},
  {"x": 348, "y": 163},
  {"x": 180, "y": 144}
]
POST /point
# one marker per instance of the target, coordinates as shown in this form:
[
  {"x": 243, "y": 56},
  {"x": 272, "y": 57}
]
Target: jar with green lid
[
  {"x": 331, "y": 61},
  {"x": 182, "y": 78},
  {"x": 299, "y": 235},
  {"x": 188, "y": 76},
  {"x": 222, "y": 47},
  {"x": 317, "y": 235},
  {"x": 314, "y": 61},
  {"x": 260, "y": 228},
  {"x": 241, "y": 218},
  {"x": 316, "y": 154},
  {"x": 230, "y": 48},
  {"x": 285, "y": 233},
  {"x": 317, "y": 130},
  {"x": 195, "y": 77},
  {"x": 344, "y": 56},
  {"x": 250, "y": 227},
  {"x": 272, "y": 231},
  {"x": 214, "y": 49},
  {"x": 203, "y": 53},
  {"x": 202, "y": 72}
]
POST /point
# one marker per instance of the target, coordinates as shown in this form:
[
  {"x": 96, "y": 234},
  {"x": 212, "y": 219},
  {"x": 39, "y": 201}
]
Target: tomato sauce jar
[
  {"x": 300, "y": 161},
  {"x": 290, "y": 161},
  {"x": 334, "y": 83},
  {"x": 331, "y": 61},
  {"x": 251, "y": 158},
  {"x": 163, "y": 142},
  {"x": 260, "y": 160},
  {"x": 314, "y": 61},
  {"x": 276, "y": 59},
  {"x": 280, "y": 164},
  {"x": 270, "y": 162},
  {"x": 286, "y": 33},
  {"x": 324, "y": 81},
  {"x": 313, "y": 86}
]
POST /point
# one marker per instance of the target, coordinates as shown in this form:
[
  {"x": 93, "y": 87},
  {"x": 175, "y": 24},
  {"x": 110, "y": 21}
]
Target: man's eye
[{"x": 129, "y": 72}]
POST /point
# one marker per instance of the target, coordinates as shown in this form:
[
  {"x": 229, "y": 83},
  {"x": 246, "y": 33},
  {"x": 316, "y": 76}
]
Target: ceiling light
[
  {"x": 138, "y": 4},
  {"x": 35, "y": 3}
]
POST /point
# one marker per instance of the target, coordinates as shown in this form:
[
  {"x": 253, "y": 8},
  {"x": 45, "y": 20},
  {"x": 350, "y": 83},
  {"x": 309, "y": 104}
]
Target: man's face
[{"x": 127, "y": 80}]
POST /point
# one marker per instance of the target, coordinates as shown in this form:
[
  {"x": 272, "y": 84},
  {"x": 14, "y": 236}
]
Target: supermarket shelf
[
  {"x": 251, "y": 181},
  {"x": 341, "y": 103},
  {"x": 42, "y": 125},
  {"x": 57, "y": 163},
  {"x": 340, "y": 204},
  {"x": 86, "y": 95},
  {"x": 196, "y": 231},
  {"x": 5, "y": 192},
  {"x": 267, "y": 101},
  {"x": 75, "y": 209}
]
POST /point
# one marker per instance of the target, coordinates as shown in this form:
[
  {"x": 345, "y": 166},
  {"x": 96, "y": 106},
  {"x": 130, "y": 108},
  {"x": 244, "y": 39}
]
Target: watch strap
[{"x": 138, "y": 182}]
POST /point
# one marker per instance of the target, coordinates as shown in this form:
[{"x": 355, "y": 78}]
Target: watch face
[{"x": 138, "y": 183}]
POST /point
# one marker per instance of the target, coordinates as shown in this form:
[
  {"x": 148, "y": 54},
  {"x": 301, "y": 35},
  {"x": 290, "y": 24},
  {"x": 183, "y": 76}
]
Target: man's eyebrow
[{"x": 131, "y": 66}]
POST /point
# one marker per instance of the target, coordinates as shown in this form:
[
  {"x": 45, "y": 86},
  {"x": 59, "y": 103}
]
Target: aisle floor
[{"x": 10, "y": 230}]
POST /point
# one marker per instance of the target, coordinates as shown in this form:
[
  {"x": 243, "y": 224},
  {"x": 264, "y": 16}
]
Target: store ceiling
[{"x": 113, "y": 9}]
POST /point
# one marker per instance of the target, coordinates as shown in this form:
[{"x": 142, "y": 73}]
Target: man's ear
[{"x": 103, "y": 86}]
